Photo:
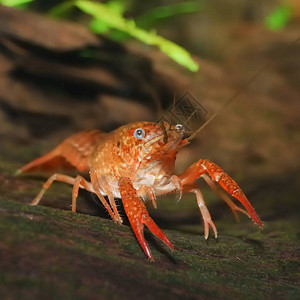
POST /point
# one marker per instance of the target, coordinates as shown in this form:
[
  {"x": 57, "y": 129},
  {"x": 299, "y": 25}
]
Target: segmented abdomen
[{"x": 73, "y": 152}]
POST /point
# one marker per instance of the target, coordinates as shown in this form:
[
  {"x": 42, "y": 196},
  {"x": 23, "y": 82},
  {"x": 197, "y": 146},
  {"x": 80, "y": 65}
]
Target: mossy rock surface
[{"x": 57, "y": 254}]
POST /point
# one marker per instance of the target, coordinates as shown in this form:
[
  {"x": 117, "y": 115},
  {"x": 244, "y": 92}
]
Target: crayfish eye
[
  {"x": 179, "y": 126},
  {"x": 139, "y": 133}
]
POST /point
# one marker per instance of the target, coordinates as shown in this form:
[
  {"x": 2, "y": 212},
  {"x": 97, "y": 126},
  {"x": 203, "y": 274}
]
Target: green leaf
[
  {"x": 99, "y": 26},
  {"x": 117, "y": 6},
  {"x": 14, "y": 3},
  {"x": 279, "y": 18},
  {"x": 116, "y": 21}
]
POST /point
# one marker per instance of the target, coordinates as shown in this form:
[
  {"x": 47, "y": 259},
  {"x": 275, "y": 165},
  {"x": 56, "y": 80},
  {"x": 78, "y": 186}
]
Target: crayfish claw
[{"x": 138, "y": 216}]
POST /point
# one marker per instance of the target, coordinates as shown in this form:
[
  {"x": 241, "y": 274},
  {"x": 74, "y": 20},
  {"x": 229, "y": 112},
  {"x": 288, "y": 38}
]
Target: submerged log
[{"x": 62, "y": 73}]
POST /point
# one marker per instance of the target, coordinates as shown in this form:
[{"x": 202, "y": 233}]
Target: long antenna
[{"x": 238, "y": 92}]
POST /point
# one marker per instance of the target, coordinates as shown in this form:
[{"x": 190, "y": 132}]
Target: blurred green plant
[
  {"x": 103, "y": 15},
  {"x": 15, "y": 3},
  {"x": 278, "y": 18},
  {"x": 149, "y": 19},
  {"x": 108, "y": 19}
]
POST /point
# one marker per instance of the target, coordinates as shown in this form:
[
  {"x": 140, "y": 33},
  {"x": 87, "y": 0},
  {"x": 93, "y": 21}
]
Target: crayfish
[{"x": 135, "y": 163}]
